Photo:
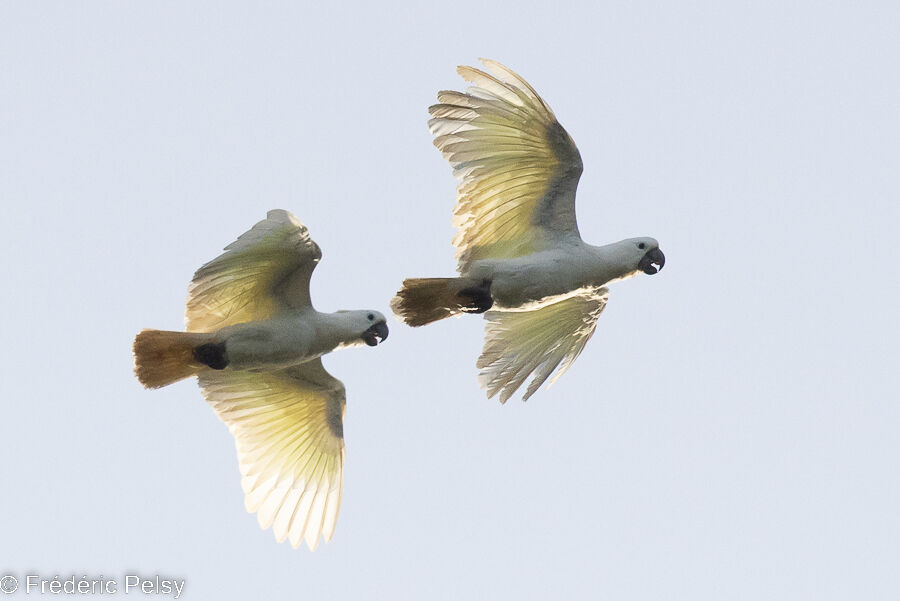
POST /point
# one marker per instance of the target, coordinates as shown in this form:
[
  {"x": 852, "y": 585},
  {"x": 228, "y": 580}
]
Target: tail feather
[
  {"x": 162, "y": 358},
  {"x": 425, "y": 300}
]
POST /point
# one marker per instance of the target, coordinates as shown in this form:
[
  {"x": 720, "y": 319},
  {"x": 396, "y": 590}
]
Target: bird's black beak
[
  {"x": 375, "y": 334},
  {"x": 648, "y": 263}
]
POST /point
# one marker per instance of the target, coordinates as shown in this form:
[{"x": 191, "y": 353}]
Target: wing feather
[
  {"x": 288, "y": 431},
  {"x": 264, "y": 271},
  {"x": 537, "y": 343},
  {"x": 500, "y": 126}
]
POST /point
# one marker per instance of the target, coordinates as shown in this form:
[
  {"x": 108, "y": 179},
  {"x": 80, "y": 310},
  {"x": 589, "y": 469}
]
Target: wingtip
[
  {"x": 284, "y": 216},
  {"x": 470, "y": 73}
]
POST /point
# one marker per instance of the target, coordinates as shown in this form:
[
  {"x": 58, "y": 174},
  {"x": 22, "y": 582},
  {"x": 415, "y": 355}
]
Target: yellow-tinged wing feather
[
  {"x": 520, "y": 343},
  {"x": 264, "y": 271},
  {"x": 288, "y": 429},
  {"x": 517, "y": 166}
]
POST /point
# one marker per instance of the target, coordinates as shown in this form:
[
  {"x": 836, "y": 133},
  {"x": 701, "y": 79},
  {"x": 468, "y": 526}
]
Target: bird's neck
[
  {"x": 610, "y": 263},
  {"x": 333, "y": 330}
]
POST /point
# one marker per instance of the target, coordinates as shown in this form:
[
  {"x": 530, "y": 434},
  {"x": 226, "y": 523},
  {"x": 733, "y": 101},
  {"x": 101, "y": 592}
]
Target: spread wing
[
  {"x": 264, "y": 271},
  {"x": 520, "y": 343},
  {"x": 517, "y": 166},
  {"x": 288, "y": 429}
]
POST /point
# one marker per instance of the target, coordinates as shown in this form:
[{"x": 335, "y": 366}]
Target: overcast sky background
[{"x": 731, "y": 430}]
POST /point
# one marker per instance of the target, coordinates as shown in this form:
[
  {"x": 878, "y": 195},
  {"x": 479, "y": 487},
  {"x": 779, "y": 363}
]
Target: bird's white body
[
  {"x": 539, "y": 278},
  {"x": 288, "y": 339}
]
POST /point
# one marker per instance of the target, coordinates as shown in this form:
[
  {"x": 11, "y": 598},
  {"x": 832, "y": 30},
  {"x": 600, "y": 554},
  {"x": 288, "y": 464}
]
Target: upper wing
[
  {"x": 266, "y": 269},
  {"x": 519, "y": 343},
  {"x": 288, "y": 429},
  {"x": 517, "y": 166}
]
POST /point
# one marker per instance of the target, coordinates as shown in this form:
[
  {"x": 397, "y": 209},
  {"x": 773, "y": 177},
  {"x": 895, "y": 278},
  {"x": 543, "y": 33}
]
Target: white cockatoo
[
  {"x": 255, "y": 343},
  {"x": 520, "y": 256}
]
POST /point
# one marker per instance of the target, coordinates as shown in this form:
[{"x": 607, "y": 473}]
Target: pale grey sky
[{"x": 730, "y": 432}]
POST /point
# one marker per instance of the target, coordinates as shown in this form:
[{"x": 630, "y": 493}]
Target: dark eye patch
[
  {"x": 370, "y": 316},
  {"x": 641, "y": 245}
]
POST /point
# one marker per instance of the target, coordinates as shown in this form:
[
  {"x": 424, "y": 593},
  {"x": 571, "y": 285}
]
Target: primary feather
[
  {"x": 517, "y": 166},
  {"x": 265, "y": 271},
  {"x": 518, "y": 344},
  {"x": 287, "y": 427}
]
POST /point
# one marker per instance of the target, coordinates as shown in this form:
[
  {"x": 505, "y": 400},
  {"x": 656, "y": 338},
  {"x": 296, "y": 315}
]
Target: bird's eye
[
  {"x": 641, "y": 245},
  {"x": 370, "y": 316}
]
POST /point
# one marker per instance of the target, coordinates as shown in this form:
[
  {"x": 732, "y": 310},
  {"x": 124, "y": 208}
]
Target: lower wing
[
  {"x": 287, "y": 427},
  {"x": 521, "y": 343}
]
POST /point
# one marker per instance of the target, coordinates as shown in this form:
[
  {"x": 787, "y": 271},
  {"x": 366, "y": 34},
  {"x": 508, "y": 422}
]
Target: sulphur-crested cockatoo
[
  {"x": 255, "y": 343},
  {"x": 518, "y": 248}
]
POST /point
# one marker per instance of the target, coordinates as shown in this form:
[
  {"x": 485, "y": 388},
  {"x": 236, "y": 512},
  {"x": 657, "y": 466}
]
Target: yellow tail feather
[
  {"x": 162, "y": 358},
  {"x": 425, "y": 300}
]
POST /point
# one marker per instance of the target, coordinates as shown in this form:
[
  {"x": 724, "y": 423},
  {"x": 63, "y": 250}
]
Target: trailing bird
[
  {"x": 520, "y": 256},
  {"x": 256, "y": 343}
]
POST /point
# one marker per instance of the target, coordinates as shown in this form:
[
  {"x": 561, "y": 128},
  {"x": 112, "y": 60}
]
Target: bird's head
[
  {"x": 368, "y": 326},
  {"x": 643, "y": 254}
]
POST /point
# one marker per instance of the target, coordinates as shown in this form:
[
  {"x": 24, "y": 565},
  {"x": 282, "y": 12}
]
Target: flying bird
[
  {"x": 521, "y": 259},
  {"x": 255, "y": 343}
]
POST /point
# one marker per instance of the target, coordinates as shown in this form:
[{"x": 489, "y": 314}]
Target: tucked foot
[
  {"x": 478, "y": 297},
  {"x": 212, "y": 355}
]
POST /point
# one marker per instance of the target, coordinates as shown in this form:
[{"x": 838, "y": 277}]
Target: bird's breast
[
  {"x": 272, "y": 343},
  {"x": 535, "y": 278}
]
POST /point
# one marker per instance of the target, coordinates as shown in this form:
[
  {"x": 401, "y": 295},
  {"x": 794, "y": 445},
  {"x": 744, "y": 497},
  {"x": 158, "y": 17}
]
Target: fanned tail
[
  {"x": 425, "y": 300},
  {"x": 162, "y": 358}
]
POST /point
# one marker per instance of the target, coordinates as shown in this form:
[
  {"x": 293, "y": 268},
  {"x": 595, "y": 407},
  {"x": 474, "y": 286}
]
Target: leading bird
[
  {"x": 255, "y": 343},
  {"x": 521, "y": 259}
]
